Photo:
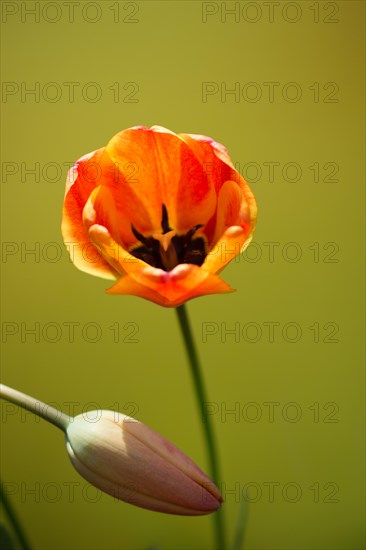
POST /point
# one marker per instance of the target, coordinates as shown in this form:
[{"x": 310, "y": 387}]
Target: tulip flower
[
  {"x": 161, "y": 213},
  {"x": 131, "y": 462}
]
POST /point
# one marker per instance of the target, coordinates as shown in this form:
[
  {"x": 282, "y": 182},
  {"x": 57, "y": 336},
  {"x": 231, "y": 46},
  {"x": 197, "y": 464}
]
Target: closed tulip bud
[{"x": 133, "y": 463}]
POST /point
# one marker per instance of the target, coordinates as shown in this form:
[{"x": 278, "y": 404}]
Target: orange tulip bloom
[{"x": 161, "y": 212}]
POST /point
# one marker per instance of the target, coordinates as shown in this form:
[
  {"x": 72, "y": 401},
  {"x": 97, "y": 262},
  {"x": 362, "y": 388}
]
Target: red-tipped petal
[
  {"x": 173, "y": 288},
  {"x": 204, "y": 146}
]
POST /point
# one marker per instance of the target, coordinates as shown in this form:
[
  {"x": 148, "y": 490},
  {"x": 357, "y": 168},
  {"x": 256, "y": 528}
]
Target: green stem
[
  {"x": 56, "y": 417},
  {"x": 200, "y": 390},
  {"x": 13, "y": 519}
]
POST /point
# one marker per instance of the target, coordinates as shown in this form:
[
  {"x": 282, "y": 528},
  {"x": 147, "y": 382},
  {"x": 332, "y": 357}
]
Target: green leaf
[
  {"x": 241, "y": 525},
  {"x": 6, "y": 542}
]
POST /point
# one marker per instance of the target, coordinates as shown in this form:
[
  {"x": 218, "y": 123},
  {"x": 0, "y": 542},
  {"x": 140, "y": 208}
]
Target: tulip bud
[{"x": 133, "y": 463}]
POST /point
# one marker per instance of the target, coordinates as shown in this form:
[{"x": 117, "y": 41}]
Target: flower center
[{"x": 166, "y": 250}]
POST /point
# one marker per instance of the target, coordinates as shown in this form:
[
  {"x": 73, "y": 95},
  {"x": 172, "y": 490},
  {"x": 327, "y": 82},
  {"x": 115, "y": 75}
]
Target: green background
[{"x": 315, "y": 441}]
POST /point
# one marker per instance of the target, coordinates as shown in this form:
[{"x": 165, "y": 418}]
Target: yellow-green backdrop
[{"x": 281, "y": 85}]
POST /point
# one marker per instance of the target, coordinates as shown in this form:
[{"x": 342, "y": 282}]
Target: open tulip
[
  {"x": 133, "y": 463},
  {"x": 161, "y": 212}
]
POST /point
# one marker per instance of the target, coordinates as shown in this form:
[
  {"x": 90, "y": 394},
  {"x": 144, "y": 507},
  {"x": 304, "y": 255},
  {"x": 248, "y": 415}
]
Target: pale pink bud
[{"x": 131, "y": 462}]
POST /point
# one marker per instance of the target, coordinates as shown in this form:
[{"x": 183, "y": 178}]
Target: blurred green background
[{"x": 292, "y": 372}]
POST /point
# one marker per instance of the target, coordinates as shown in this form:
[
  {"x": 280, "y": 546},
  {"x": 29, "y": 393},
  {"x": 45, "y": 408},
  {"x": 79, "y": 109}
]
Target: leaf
[
  {"x": 241, "y": 525},
  {"x": 6, "y": 542}
]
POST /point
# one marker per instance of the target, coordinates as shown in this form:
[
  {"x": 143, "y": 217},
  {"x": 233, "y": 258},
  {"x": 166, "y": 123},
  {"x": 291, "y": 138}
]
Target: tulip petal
[
  {"x": 230, "y": 245},
  {"x": 201, "y": 145},
  {"x": 167, "y": 172},
  {"x": 82, "y": 179},
  {"x": 172, "y": 288},
  {"x": 117, "y": 257},
  {"x": 227, "y": 181},
  {"x": 229, "y": 209},
  {"x": 233, "y": 225}
]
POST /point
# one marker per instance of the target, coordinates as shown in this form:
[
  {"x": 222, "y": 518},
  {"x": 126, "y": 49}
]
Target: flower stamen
[{"x": 166, "y": 250}]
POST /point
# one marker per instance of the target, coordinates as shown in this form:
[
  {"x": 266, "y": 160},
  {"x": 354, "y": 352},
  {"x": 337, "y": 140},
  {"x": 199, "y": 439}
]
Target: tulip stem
[
  {"x": 13, "y": 519},
  {"x": 54, "y": 416},
  {"x": 200, "y": 390},
  {"x": 43, "y": 410}
]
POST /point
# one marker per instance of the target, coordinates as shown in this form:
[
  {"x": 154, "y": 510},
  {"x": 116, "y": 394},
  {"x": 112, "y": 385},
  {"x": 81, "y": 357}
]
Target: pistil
[{"x": 168, "y": 254}]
